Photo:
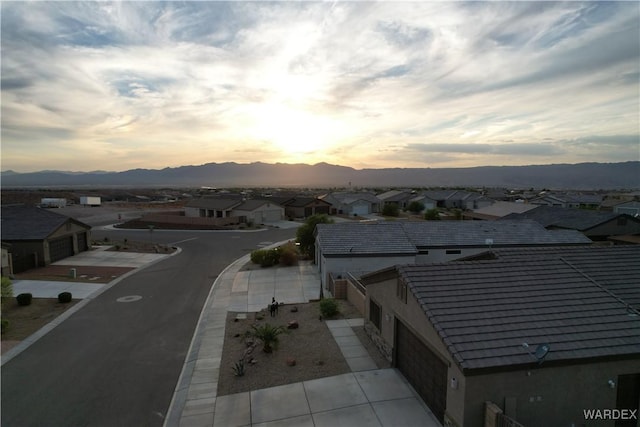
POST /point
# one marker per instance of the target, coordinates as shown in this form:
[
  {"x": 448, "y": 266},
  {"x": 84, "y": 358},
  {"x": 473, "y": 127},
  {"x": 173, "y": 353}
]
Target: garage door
[
  {"x": 272, "y": 216},
  {"x": 61, "y": 248},
  {"x": 360, "y": 209},
  {"x": 425, "y": 371}
]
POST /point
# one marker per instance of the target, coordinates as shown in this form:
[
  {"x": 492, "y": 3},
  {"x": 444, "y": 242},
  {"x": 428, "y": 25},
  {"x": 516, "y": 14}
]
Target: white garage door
[{"x": 360, "y": 209}]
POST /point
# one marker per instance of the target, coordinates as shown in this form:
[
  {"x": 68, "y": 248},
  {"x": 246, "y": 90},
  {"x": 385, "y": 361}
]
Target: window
[
  {"x": 454, "y": 251},
  {"x": 374, "y": 313},
  {"x": 401, "y": 291}
]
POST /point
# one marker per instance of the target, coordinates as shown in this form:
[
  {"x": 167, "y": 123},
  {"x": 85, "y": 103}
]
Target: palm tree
[{"x": 268, "y": 334}]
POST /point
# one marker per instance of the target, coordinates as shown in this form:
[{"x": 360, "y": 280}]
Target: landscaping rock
[
  {"x": 291, "y": 361},
  {"x": 293, "y": 324}
]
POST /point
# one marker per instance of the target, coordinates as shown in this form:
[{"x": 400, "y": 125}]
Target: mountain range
[{"x": 580, "y": 176}]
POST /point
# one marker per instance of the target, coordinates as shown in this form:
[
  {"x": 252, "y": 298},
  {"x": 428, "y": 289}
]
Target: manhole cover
[{"x": 129, "y": 298}]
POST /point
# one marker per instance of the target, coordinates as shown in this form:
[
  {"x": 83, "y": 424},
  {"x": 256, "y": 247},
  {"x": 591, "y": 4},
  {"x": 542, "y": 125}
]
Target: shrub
[
  {"x": 268, "y": 334},
  {"x": 24, "y": 299},
  {"x": 238, "y": 368},
  {"x": 288, "y": 254},
  {"x": 4, "y": 323},
  {"x": 415, "y": 207},
  {"x": 265, "y": 257},
  {"x": 432, "y": 215},
  {"x": 328, "y": 307},
  {"x": 7, "y": 288},
  {"x": 64, "y": 297}
]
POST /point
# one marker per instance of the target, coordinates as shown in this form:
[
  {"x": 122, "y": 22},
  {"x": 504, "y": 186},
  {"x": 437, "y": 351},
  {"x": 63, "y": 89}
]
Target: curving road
[{"x": 117, "y": 363}]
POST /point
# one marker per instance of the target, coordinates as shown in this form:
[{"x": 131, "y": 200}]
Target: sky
[{"x": 89, "y": 86}]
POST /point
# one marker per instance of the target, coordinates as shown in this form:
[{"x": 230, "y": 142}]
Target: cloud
[{"x": 155, "y": 84}]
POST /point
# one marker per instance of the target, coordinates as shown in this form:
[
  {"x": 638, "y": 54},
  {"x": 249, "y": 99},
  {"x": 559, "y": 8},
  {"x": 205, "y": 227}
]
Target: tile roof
[
  {"x": 617, "y": 268},
  {"x": 253, "y": 204},
  {"x": 500, "y": 209},
  {"x": 389, "y": 237},
  {"x": 357, "y": 238},
  {"x": 349, "y": 198},
  {"x": 31, "y": 223},
  {"x": 432, "y": 234},
  {"x": 485, "y": 310},
  {"x": 300, "y": 202},
  {"x": 576, "y": 219},
  {"x": 217, "y": 203}
]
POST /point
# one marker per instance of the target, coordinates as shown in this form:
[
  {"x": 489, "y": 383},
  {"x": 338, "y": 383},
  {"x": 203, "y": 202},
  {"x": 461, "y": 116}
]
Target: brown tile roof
[{"x": 485, "y": 310}]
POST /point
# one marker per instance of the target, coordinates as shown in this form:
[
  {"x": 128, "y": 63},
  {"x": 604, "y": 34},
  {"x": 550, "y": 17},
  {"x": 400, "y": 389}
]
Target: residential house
[
  {"x": 457, "y": 199},
  {"x": 539, "y": 336},
  {"x": 304, "y": 207},
  {"x": 346, "y": 247},
  {"x": 212, "y": 207},
  {"x": 352, "y": 204},
  {"x": 37, "y": 237},
  {"x": 498, "y": 210},
  {"x": 631, "y": 208},
  {"x": 568, "y": 200},
  {"x": 258, "y": 211},
  {"x": 399, "y": 198},
  {"x": 597, "y": 225},
  {"x": 427, "y": 202}
]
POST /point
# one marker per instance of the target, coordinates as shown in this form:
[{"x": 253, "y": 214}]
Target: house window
[
  {"x": 401, "y": 291},
  {"x": 374, "y": 313},
  {"x": 454, "y": 251},
  {"x": 423, "y": 251}
]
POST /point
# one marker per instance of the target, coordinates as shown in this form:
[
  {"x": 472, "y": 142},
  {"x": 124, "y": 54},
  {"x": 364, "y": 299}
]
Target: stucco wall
[
  {"x": 548, "y": 396},
  {"x": 412, "y": 315},
  {"x": 340, "y": 266}
]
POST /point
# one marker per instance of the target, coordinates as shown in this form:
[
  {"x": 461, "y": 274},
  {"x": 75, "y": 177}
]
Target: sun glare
[{"x": 291, "y": 131}]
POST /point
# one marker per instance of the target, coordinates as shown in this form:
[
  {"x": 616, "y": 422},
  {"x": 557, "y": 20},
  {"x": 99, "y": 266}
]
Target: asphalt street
[{"x": 117, "y": 363}]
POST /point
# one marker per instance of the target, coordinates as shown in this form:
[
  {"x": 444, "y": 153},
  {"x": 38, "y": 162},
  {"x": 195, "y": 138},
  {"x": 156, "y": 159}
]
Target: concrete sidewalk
[{"x": 365, "y": 397}]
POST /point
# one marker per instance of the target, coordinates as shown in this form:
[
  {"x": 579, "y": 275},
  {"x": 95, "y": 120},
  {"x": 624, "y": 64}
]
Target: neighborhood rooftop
[
  {"x": 390, "y": 237},
  {"x": 30, "y": 223},
  {"x": 485, "y": 310},
  {"x": 576, "y": 219}
]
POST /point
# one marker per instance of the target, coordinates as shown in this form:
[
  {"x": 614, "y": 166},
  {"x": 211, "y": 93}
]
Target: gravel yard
[{"x": 312, "y": 346}]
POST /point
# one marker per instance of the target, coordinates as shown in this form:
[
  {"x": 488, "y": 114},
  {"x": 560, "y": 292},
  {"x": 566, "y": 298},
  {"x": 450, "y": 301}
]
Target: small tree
[
  {"x": 268, "y": 334},
  {"x": 415, "y": 207},
  {"x": 304, "y": 234},
  {"x": 390, "y": 209},
  {"x": 432, "y": 215}
]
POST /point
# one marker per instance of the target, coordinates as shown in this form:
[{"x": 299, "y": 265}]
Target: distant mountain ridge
[{"x": 604, "y": 176}]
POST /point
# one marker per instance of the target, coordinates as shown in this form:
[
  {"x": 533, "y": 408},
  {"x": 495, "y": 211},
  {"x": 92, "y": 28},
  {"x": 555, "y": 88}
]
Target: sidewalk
[{"x": 365, "y": 397}]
